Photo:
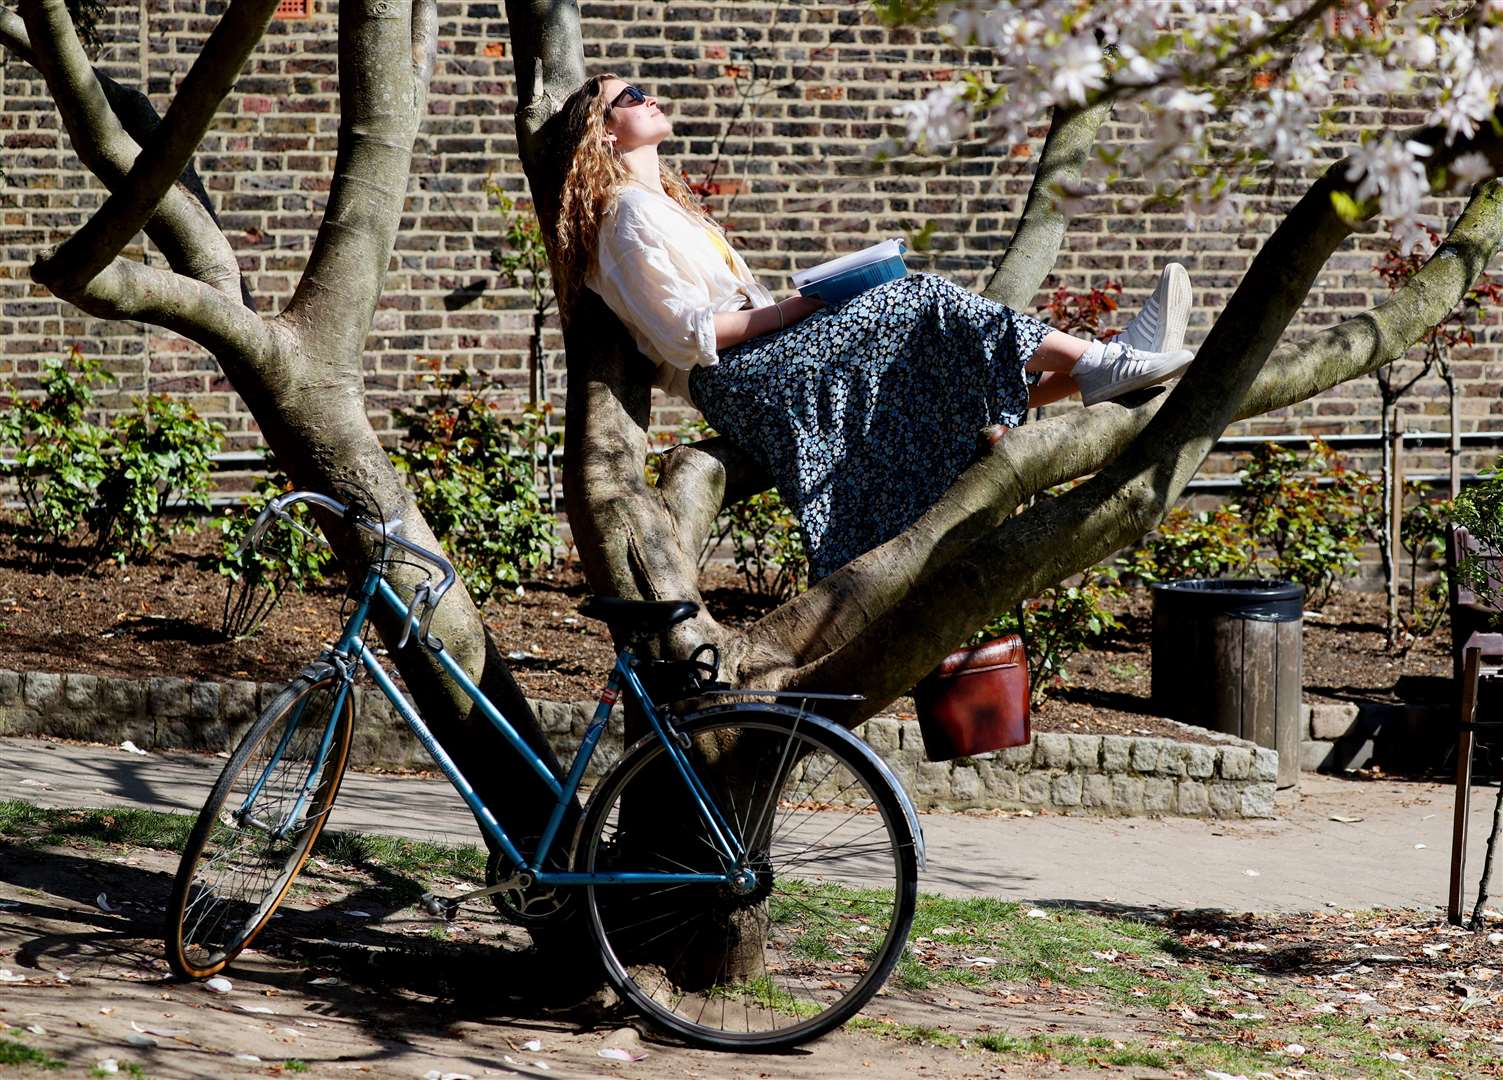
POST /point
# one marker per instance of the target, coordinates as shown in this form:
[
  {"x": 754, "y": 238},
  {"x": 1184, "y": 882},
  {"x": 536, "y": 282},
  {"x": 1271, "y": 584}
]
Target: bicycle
[{"x": 748, "y": 869}]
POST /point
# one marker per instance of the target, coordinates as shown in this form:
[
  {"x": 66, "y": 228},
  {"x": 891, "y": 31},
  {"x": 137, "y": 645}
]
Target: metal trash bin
[{"x": 1227, "y": 655}]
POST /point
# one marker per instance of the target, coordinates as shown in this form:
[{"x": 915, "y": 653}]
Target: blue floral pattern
[{"x": 865, "y": 414}]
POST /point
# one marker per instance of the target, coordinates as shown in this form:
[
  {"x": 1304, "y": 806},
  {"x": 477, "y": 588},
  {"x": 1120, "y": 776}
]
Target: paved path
[{"x": 1397, "y": 855}]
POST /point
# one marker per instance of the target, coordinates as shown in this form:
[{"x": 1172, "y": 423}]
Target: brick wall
[{"x": 780, "y": 99}]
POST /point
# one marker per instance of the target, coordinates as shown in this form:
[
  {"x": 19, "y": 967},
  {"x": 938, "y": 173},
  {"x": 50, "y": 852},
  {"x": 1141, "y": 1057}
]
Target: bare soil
[{"x": 164, "y": 617}]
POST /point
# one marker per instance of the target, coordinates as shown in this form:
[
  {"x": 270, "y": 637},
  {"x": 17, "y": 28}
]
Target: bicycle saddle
[{"x": 642, "y": 616}]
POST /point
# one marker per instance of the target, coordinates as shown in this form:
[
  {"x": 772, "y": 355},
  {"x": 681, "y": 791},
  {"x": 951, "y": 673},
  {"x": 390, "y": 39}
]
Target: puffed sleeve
[{"x": 668, "y": 312}]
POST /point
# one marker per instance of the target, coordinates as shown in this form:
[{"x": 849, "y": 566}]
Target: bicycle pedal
[{"x": 438, "y": 906}]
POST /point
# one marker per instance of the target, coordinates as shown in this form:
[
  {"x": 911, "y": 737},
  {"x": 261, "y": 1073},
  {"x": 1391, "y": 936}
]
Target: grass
[
  {"x": 20, "y": 821},
  {"x": 14, "y": 1052}
]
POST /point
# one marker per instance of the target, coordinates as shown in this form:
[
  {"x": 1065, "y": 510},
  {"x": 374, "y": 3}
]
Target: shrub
[
  {"x": 474, "y": 474},
  {"x": 158, "y": 460},
  {"x": 116, "y": 482},
  {"x": 1422, "y": 534},
  {"x": 1059, "y": 624},
  {"x": 1212, "y": 543},
  {"x": 1309, "y": 513},
  {"x": 1479, "y": 509},
  {"x": 285, "y": 558},
  {"x": 59, "y": 452}
]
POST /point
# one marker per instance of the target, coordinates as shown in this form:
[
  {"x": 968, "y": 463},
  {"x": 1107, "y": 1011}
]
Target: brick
[
  {"x": 1085, "y": 751},
  {"x": 1146, "y": 754},
  {"x": 42, "y": 690},
  {"x": 1127, "y": 793},
  {"x": 1158, "y": 795},
  {"x": 1096, "y": 792},
  {"x": 1116, "y": 753},
  {"x": 1034, "y": 789},
  {"x": 1066, "y": 789},
  {"x": 1200, "y": 760}
]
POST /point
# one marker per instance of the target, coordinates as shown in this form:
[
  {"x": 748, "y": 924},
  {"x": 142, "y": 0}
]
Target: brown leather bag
[{"x": 975, "y": 701}]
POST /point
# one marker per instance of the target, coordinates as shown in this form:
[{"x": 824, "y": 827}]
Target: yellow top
[{"x": 721, "y": 246}]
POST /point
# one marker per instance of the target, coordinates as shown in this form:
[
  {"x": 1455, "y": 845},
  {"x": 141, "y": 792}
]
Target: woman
[{"x": 864, "y": 414}]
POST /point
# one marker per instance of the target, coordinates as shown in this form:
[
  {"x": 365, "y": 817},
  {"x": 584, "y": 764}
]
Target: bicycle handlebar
[{"x": 425, "y": 598}]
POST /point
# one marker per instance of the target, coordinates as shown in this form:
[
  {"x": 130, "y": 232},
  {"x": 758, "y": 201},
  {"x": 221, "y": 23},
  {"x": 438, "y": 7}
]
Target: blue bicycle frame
[{"x": 351, "y": 650}]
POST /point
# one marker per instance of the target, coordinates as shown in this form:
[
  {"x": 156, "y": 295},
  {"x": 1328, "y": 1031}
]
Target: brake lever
[{"x": 415, "y": 610}]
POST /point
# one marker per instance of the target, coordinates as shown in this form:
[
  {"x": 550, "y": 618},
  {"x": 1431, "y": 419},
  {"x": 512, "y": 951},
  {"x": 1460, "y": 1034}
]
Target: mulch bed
[{"x": 164, "y": 618}]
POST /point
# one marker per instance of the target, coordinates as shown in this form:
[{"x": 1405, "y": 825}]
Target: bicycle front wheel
[
  {"x": 258, "y": 826},
  {"x": 819, "y": 909}
]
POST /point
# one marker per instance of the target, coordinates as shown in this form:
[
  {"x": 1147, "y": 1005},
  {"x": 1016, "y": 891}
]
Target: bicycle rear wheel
[
  {"x": 258, "y": 826},
  {"x": 827, "y": 890}
]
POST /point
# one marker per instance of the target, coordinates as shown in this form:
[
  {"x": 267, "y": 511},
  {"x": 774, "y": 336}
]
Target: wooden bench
[{"x": 1477, "y": 659}]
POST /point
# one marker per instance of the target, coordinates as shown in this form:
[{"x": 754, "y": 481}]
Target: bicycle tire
[
  {"x": 210, "y": 922},
  {"x": 817, "y": 900}
]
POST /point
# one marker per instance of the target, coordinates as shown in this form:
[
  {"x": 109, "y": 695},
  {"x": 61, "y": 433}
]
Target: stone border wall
[
  {"x": 1100, "y": 775},
  {"x": 1342, "y": 735}
]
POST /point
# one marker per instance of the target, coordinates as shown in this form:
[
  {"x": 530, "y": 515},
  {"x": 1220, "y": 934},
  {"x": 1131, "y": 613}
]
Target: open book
[{"x": 838, "y": 280}]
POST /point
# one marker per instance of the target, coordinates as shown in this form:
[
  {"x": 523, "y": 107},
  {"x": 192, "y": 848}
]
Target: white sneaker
[
  {"x": 1121, "y": 369},
  {"x": 1160, "y": 326}
]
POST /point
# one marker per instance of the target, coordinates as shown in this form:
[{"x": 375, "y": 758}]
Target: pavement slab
[{"x": 1344, "y": 843}]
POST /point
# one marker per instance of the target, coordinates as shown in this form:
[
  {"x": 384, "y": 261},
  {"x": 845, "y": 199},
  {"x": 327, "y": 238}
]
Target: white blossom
[
  {"x": 1391, "y": 170},
  {"x": 1075, "y": 70},
  {"x": 1469, "y": 170}
]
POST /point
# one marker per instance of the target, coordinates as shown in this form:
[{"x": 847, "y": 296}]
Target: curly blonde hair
[{"x": 592, "y": 176}]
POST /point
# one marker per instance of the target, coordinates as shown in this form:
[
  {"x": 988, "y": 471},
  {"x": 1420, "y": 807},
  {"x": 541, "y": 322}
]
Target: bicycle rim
[
  {"x": 835, "y": 882},
  {"x": 259, "y": 824}
]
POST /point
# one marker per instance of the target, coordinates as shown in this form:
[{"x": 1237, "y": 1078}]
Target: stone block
[
  {"x": 882, "y": 734},
  {"x": 203, "y": 700},
  {"x": 10, "y": 687},
  {"x": 554, "y": 717},
  {"x": 1116, "y": 753},
  {"x": 1191, "y": 799},
  {"x": 121, "y": 699},
  {"x": 1172, "y": 759},
  {"x": 965, "y": 785},
  {"x": 1051, "y": 750},
  {"x": 1127, "y": 793},
  {"x": 932, "y": 782},
  {"x": 1085, "y": 752},
  {"x": 1236, "y": 762},
  {"x": 1332, "y": 720},
  {"x": 1066, "y": 789},
  {"x": 1001, "y": 783},
  {"x": 1306, "y": 712},
  {"x": 1225, "y": 799},
  {"x": 79, "y": 692},
  {"x": 1097, "y": 791},
  {"x": 1146, "y": 754},
  {"x": 237, "y": 703},
  {"x": 166, "y": 697},
  {"x": 1034, "y": 789},
  {"x": 1200, "y": 760},
  {"x": 1315, "y": 755},
  {"x": 1016, "y": 758},
  {"x": 1158, "y": 795},
  {"x": 1265, "y": 764},
  {"x": 1257, "y": 800},
  {"x": 42, "y": 690}
]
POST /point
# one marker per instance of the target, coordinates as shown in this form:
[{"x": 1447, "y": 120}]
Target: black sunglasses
[{"x": 632, "y": 95}]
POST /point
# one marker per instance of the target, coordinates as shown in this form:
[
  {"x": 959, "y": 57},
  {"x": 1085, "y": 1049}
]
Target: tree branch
[
  {"x": 93, "y": 109},
  {"x": 701, "y": 479},
  {"x": 1041, "y": 229},
  {"x": 378, "y": 123},
  {"x": 126, "y": 289},
  {"x": 168, "y": 152}
]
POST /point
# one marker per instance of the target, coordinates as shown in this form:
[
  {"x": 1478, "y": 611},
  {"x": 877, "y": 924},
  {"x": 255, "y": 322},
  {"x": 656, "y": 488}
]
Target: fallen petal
[
  {"x": 36, "y": 1029},
  {"x": 256, "y": 1009},
  {"x": 1037, "y": 913},
  {"x": 7, "y": 975},
  {"x": 532, "y": 1046},
  {"x": 131, "y": 748},
  {"x": 615, "y": 1053},
  {"x": 108, "y": 1065},
  {"x": 103, "y": 903},
  {"x": 219, "y": 985}
]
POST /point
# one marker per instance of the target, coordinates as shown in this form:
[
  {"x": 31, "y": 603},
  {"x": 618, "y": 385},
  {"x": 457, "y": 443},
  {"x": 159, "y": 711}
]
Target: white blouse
[{"x": 663, "y": 276}]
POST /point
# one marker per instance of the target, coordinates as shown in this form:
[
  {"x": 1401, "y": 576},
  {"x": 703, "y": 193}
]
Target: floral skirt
[{"x": 866, "y": 413}]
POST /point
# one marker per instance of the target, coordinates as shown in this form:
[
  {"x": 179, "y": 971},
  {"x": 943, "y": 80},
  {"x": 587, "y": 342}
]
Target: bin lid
[{"x": 1244, "y": 598}]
